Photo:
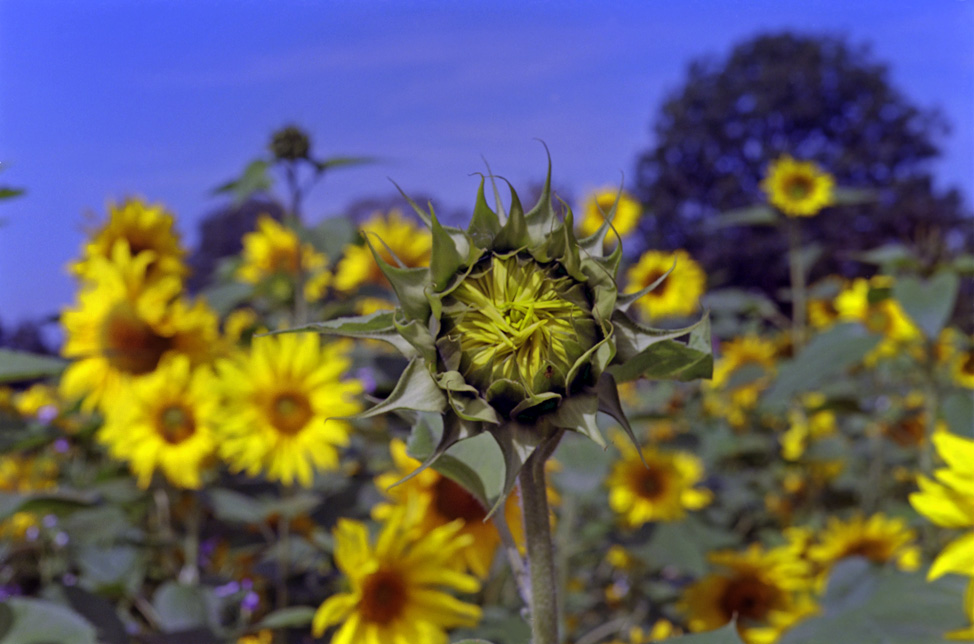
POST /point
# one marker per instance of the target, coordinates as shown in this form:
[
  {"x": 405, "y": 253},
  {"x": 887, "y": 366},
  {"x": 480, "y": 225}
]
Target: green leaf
[
  {"x": 341, "y": 162},
  {"x": 375, "y": 326},
  {"x": 224, "y": 298},
  {"x": 234, "y": 507},
  {"x": 758, "y": 215},
  {"x": 446, "y": 258},
  {"x": 114, "y": 568},
  {"x": 476, "y": 464},
  {"x": 684, "y": 544},
  {"x": 853, "y": 196},
  {"x": 484, "y": 224},
  {"x": 36, "y": 621},
  {"x": 472, "y": 642},
  {"x": 332, "y": 235},
  {"x": 963, "y": 264},
  {"x": 100, "y": 612},
  {"x": 181, "y": 607},
  {"x": 16, "y": 366},
  {"x": 577, "y": 413},
  {"x": 8, "y": 193},
  {"x": 58, "y": 501},
  {"x": 889, "y": 256},
  {"x": 291, "y": 617},
  {"x": 958, "y": 411},
  {"x": 653, "y": 353},
  {"x": 410, "y": 285},
  {"x": 826, "y": 356},
  {"x": 930, "y": 302},
  {"x": 415, "y": 391},
  {"x": 866, "y": 604},
  {"x": 255, "y": 178},
  {"x": 514, "y": 233}
]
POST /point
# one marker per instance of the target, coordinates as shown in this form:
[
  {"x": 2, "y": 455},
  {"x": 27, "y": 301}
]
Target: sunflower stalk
[
  {"x": 190, "y": 573},
  {"x": 797, "y": 285},
  {"x": 540, "y": 547}
]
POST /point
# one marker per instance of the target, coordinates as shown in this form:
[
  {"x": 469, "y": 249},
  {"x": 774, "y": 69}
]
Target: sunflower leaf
[
  {"x": 654, "y": 353},
  {"x": 415, "y": 391},
  {"x": 375, "y": 326},
  {"x": 930, "y": 302}
]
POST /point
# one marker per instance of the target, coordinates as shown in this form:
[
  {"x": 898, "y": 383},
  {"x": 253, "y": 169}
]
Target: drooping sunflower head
[
  {"x": 517, "y": 328},
  {"x": 141, "y": 227},
  {"x": 798, "y": 188}
]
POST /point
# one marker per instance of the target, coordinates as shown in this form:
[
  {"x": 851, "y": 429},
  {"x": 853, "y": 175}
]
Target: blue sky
[{"x": 104, "y": 99}]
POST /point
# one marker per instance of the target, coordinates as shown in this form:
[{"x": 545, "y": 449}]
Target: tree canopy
[{"x": 815, "y": 98}]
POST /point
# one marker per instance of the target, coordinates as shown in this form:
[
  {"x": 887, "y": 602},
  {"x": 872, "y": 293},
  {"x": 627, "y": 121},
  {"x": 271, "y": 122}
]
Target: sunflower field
[{"x": 510, "y": 430}]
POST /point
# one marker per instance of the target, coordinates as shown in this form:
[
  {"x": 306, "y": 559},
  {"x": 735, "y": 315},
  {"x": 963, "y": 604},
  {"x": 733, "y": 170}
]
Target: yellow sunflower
[
  {"x": 279, "y": 398},
  {"x": 124, "y": 325},
  {"x": 965, "y": 634},
  {"x": 600, "y": 202},
  {"x": 165, "y": 422},
  {"x": 400, "y": 237},
  {"x": 879, "y": 539},
  {"x": 22, "y": 474},
  {"x": 809, "y": 422},
  {"x": 724, "y": 395},
  {"x": 762, "y": 588},
  {"x": 664, "y": 491},
  {"x": 397, "y": 586},
  {"x": 435, "y": 500},
  {"x": 678, "y": 295},
  {"x": 949, "y": 502},
  {"x": 662, "y": 629},
  {"x": 142, "y": 227},
  {"x": 798, "y": 188},
  {"x": 869, "y": 302},
  {"x": 273, "y": 255}
]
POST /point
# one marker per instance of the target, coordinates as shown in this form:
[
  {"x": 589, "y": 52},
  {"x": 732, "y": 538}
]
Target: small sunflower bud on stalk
[
  {"x": 518, "y": 329},
  {"x": 290, "y": 144}
]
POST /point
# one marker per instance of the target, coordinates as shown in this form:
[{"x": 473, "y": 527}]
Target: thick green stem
[
  {"x": 798, "y": 306},
  {"x": 541, "y": 560}
]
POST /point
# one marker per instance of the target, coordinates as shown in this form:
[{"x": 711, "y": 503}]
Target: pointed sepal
[
  {"x": 655, "y": 353},
  {"x": 517, "y": 443},
  {"x": 415, "y": 391},
  {"x": 375, "y": 326},
  {"x": 485, "y": 224},
  {"x": 410, "y": 285},
  {"x": 607, "y": 394}
]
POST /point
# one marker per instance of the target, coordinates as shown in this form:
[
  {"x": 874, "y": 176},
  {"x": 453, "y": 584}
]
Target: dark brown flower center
[
  {"x": 383, "y": 597},
  {"x": 454, "y": 502},
  {"x": 175, "y": 423},
  {"x": 650, "y": 483},
  {"x": 654, "y": 275},
  {"x": 129, "y": 343},
  {"x": 874, "y": 550},
  {"x": 798, "y": 187},
  {"x": 749, "y": 598},
  {"x": 290, "y": 412}
]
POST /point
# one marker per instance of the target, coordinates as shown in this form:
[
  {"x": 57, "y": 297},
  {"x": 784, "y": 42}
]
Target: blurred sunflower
[
  {"x": 600, "y": 203},
  {"x": 949, "y": 502},
  {"x": 965, "y": 634},
  {"x": 879, "y": 539},
  {"x": 662, "y": 629},
  {"x": 744, "y": 369},
  {"x": 124, "y": 325},
  {"x": 402, "y": 239},
  {"x": 808, "y": 422},
  {"x": 165, "y": 422},
  {"x": 397, "y": 587},
  {"x": 142, "y": 227},
  {"x": 760, "y": 587},
  {"x": 435, "y": 500},
  {"x": 278, "y": 399},
  {"x": 798, "y": 188},
  {"x": 23, "y": 474},
  {"x": 662, "y": 489},
  {"x": 870, "y": 303},
  {"x": 274, "y": 256},
  {"x": 678, "y": 294}
]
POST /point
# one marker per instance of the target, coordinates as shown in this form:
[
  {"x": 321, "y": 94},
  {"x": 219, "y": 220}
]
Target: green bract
[{"x": 518, "y": 329}]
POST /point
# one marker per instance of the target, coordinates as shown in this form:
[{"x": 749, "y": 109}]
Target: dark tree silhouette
[{"x": 815, "y": 98}]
